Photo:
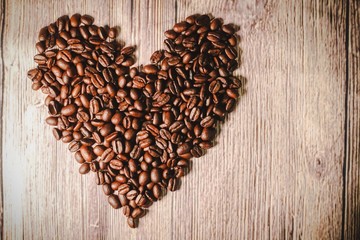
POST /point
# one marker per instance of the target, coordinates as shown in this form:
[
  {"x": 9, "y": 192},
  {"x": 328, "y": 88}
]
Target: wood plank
[
  {"x": 142, "y": 24},
  {"x": 276, "y": 171},
  {"x": 2, "y": 78},
  {"x": 45, "y": 168},
  {"x": 352, "y": 187}
]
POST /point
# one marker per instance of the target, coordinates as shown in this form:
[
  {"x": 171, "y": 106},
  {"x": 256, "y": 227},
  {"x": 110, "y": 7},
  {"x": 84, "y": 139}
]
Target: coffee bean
[
  {"x": 114, "y": 201},
  {"x": 161, "y": 143},
  {"x": 194, "y": 114},
  {"x": 208, "y": 134},
  {"x": 124, "y": 189},
  {"x": 57, "y": 133},
  {"x": 132, "y": 194},
  {"x": 87, "y": 153},
  {"x": 53, "y": 121},
  {"x": 137, "y": 212},
  {"x": 86, "y": 19},
  {"x": 123, "y": 200},
  {"x": 127, "y": 210},
  {"x": 184, "y": 148},
  {"x": 107, "y": 155},
  {"x": 84, "y": 168},
  {"x": 69, "y": 110},
  {"x": 74, "y": 146},
  {"x": 116, "y": 164},
  {"x": 156, "y": 56},
  {"x": 107, "y": 189},
  {"x": 155, "y": 175},
  {"x": 143, "y": 178},
  {"x": 117, "y": 146},
  {"x": 132, "y": 222},
  {"x": 180, "y": 26}
]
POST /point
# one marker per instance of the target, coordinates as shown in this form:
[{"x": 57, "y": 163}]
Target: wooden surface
[{"x": 286, "y": 164}]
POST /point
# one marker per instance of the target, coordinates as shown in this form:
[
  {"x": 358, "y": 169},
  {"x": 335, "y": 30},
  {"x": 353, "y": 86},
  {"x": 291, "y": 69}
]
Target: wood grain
[
  {"x": 352, "y": 171},
  {"x": 2, "y": 76},
  {"x": 284, "y": 166}
]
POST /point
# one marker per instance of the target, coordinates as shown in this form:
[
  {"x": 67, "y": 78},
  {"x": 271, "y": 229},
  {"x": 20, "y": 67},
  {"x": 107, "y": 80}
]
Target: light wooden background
[{"x": 287, "y": 162}]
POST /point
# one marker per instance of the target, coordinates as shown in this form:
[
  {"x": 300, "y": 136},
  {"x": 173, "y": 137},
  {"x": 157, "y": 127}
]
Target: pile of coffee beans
[{"x": 136, "y": 128}]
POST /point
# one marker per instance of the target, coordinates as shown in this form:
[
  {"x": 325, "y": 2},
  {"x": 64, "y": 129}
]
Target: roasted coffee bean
[
  {"x": 132, "y": 222},
  {"x": 184, "y": 148},
  {"x": 69, "y": 110},
  {"x": 208, "y": 134},
  {"x": 53, "y": 121},
  {"x": 156, "y": 56},
  {"x": 107, "y": 155},
  {"x": 107, "y": 189},
  {"x": 172, "y": 185},
  {"x": 116, "y": 164},
  {"x": 114, "y": 201},
  {"x": 84, "y": 168},
  {"x": 87, "y": 153},
  {"x": 86, "y": 19},
  {"x": 132, "y": 194},
  {"x": 208, "y": 121},
  {"x": 156, "y": 190},
  {"x": 143, "y": 178},
  {"x": 74, "y": 146},
  {"x": 123, "y": 200},
  {"x": 155, "y": 175},
  {"x": 123, "y": 189},
  {"x": 137, "y": 212},
  {"x": 127, "y": 211}
]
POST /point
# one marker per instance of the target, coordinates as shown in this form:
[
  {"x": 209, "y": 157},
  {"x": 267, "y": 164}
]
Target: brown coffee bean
[
  {"x": 172, "y": 185},
  {"x": 112, "y": 33},
  {"x": 123, "y": 189},
  {"x": 194, "y": 114},
  {"x": 137, "y": 212},
  {"x": 132, "y": 165},
  {"x": 52, "y": 121},
  {"x": 116, "y": 164},
  {"x": 150, "y": 69},
  {"x": 127, "y": 210},
  {"x": 132, "y": 222},
  {"x": 87, "y": 153},
  {"x": 196, "y": 151},
  {"x": 69, "y": 110},
  {"x": 84, "y": 168},
  {"x": 180, "y": 26},
  {"x": 155, "y": 175},
  {"x": 157, "y": 56},
  {"x": 132, "y": 194},
  {"x": 107, "y": 189},
  {"x": 123, "y": 200},
  {"x": 57, "y": 133},
  {"x": 107, "y": 155},
  {"x": 74, "y": 146},
  {"x": 75, "y": 20},
  {"x": 156, "y": 190},
  {"x": 87, "y": 19},
  {"x": 184, "y": 148},
  {"x": 114, "y": 201},
  {"x": 143, "y": 178}
]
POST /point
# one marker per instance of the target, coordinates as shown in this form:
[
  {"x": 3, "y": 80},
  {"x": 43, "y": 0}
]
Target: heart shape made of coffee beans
[{"x": 136, "y": 128}]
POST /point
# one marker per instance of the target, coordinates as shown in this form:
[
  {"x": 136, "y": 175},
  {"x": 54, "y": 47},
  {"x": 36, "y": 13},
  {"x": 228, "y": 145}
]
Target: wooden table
[{"x": 286, "y": 164}]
